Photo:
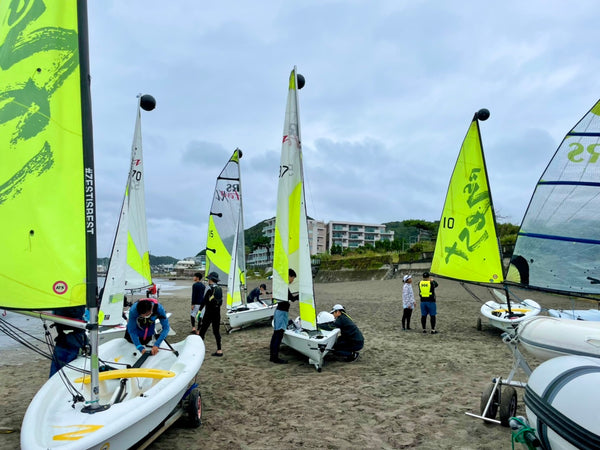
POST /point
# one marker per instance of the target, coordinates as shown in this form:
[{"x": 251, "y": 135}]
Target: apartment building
[{"x": 354, "y": 234}]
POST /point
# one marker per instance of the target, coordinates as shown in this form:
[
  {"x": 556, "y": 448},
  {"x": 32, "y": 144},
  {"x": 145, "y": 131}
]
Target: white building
[{"x": 354, "y": 234}]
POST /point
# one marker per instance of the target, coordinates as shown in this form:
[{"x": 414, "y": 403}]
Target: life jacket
[{"x": 425, "y": 289}]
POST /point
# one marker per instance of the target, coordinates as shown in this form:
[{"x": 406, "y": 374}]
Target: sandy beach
[{"x": 407, "y": 390}]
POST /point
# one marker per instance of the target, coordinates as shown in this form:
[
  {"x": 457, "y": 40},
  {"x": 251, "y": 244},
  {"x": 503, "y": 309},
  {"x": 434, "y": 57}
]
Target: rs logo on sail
[{"x": 578, "y": 149}]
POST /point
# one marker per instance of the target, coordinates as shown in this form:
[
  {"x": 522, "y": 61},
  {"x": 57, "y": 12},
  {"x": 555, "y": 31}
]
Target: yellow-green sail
[
  {"x": 467, "y": 245},
  {"x": 43, "y": 199},
  {"x": 292, "y": 249}
]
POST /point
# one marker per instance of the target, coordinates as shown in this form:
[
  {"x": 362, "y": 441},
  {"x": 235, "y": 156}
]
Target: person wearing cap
[
  {"x": 351, "y": 339},
  {"x": 142, "y": 321},
  {"x": 280, "y": 321},
  {"x": 213, "y": 299},
  {"x": 428, "y": 306},
  {"x": 408, "y": 301}
]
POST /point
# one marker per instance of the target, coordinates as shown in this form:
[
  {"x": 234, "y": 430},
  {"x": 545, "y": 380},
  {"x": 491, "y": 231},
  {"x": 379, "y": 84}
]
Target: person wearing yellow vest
[{"x": 428, "y": 306}]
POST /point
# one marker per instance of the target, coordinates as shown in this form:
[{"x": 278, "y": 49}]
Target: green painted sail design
[
  {"x": 467, "y": 246},
  {"x": 129, "y": 266},
  {"x": 292, "y": 249},
  {"x": 46, "y": 194},
  {"x": 225, "y": 246},
  {"x": 558, "y": 244}
]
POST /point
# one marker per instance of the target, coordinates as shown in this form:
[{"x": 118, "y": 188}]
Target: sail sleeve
[
  {"x": 42, "y": 177},
  {"x": 467, "y": 245},
  {"x": 292, "y": 249},
  {"x": 558, "y": 244}
]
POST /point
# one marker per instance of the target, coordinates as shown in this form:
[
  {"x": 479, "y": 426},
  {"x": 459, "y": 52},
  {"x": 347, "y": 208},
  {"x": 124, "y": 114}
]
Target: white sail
[
  {"x": 558, "y": 245},
  {"x": 129, "y": 266},
  {"x": 292, "y": 249},
  {"x": 225, "y": 246}
]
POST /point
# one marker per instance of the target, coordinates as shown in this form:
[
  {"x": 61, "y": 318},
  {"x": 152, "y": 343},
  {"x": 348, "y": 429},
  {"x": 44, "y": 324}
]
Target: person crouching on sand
[{"x": 351, "y": 339}]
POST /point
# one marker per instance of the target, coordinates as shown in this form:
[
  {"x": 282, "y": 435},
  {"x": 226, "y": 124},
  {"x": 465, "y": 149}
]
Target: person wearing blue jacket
[{"x": 141, "y": 323}]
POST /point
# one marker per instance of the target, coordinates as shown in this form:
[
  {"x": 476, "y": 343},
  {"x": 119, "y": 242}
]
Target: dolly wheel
[
  {"x": 508, "y": 405},
  {"x": 485, "y": 396},
  {"x": 192, "y": 406}
]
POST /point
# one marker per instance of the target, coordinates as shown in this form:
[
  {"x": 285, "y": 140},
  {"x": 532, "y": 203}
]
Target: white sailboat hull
[
  {"x": 575, "y": 314},
  {"x": 561, "y": 401},
  {"x": 548, "y": 337},
  {"x": 52, "y": 422},
  {"x": 313, "y": 344},
  {"x": 498, "y": 316},
  {"x": 250, "y": 314}
]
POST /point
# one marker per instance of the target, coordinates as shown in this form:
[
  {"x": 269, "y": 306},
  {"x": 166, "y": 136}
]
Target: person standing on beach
[
  {"x": 197, "y": 298},
  {"x": 142, "y": 321},
  {"x": 428, "y": 306},
  {"x": 213, "y": 299},
  {"x": 280, "y": 321},
  {"x": 408, "y": 301}
]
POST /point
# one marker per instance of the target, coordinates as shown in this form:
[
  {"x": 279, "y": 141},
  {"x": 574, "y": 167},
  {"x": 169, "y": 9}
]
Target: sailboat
[
  {"x": 225, "y": 247},
  {"x": 291, "y": 240},
  {"x": 467, "y": 247},
  {"x": 129, "y": 265},
  {"x": 113, "y": 397}
]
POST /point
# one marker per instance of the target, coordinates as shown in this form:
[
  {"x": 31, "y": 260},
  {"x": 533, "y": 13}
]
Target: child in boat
[
  {"x": 141, "y": 323},
  {"x": 254, "y": 295},
  {"x": 408, "y": 301}
]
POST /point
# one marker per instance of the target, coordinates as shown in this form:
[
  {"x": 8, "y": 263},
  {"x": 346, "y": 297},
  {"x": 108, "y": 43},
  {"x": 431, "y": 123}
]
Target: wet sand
[{"x": 407, "y": 390}]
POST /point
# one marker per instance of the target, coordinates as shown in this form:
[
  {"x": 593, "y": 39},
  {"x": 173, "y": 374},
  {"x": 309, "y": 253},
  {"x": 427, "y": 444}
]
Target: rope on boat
[{"x": 522, "y": 433}]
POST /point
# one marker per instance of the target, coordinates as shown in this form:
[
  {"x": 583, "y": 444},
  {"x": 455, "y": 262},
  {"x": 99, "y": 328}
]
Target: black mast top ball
[
  {"x": 301, "y": 80},
  {"x": 147, "y": 102},
  {"x": 482, "y": 114}
]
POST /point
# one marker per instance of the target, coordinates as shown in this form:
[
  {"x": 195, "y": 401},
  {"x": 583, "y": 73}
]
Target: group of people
[
  {"x": 428, "y": 305},
  {"x": 205, "y": 311}
]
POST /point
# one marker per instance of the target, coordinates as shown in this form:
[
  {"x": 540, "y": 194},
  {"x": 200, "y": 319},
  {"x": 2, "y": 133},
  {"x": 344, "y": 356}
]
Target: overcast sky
[{"x": 391, "y": 87}]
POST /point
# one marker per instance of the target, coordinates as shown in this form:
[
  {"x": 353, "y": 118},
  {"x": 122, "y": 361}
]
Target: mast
[{"x": 90, "y": 200}]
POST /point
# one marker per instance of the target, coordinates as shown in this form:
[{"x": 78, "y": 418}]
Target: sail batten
[{"x": 557, "y": 245}]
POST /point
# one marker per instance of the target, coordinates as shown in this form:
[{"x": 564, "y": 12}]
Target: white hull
[
  {"x": 575, "y": 314},
  {"x": 498, "y": 316},
  {"x": 256, "y": 312},
  {"x": 52, "y": 422},
  {"x": 549, "y": 337},
  {"x": 313, "y": 344},
  {"x": 561, "y": 401}
]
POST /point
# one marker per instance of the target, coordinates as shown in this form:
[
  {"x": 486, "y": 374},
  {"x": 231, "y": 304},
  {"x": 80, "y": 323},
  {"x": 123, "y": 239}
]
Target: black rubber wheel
[
  {"x": 508, "y": 405},
  {"x": 485, "y": 396},
  {"x": 479, "y": 325},
  {"x": 192, "y": 406}
]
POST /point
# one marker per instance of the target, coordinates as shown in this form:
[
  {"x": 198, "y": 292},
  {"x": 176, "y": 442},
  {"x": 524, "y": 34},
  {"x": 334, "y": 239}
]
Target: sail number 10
[{"x": 448, "y": 222}]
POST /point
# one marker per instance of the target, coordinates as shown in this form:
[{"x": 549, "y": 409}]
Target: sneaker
[
  {"x": 403, "y": 329},
  {"x": 278, "y": 361},
  {"x": 424, "y": 331},
  {"x": 433, "y": 332},
  {"x": 409, "y": 328},
  {"x": 353, "y": 357}
]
